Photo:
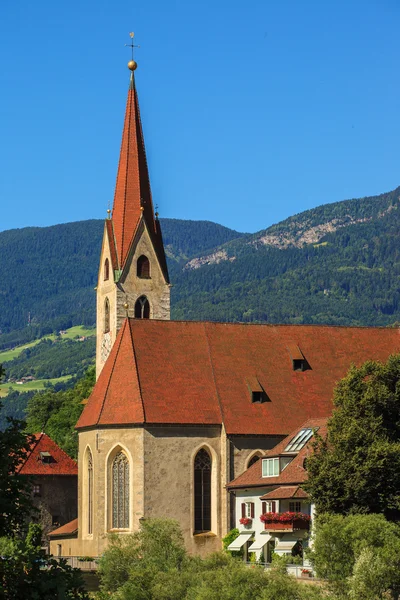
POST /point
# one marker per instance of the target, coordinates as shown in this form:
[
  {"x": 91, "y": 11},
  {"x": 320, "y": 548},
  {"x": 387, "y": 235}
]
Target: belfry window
[
  {"x": 202, "y": 491},
  {"x": 142, "y": 308},
  {"x": 143, "y": 267},
  {"x": 120, "y": 492},
  {"x": 106, "y": 316},
  {"x": 106, "y": 269},
  {"x": 90, "y": 491}
]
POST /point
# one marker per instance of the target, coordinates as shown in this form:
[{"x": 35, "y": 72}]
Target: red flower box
[
  {"x": 288, "y": 521},
  {"x": 245, "y": 521}
]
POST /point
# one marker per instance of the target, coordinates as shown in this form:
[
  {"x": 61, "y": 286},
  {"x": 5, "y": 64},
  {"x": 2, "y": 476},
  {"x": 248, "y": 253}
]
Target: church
[{"x": 181, "y": 408}]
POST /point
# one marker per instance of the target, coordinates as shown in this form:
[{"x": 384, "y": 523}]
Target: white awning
[
  {"x": 286, "y": 543},
  {"x": 240, "y": 541},
  {"x": 259, "y": 542}
]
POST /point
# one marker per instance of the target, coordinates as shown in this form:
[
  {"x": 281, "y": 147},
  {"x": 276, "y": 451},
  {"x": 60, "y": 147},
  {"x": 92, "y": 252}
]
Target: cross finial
[{"x": 132, "y": 64}]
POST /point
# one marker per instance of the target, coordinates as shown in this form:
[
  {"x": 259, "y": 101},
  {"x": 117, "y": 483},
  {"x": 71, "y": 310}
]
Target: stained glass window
[
  {"x": 120, "y": 492},
  {"x": 202, "y": 491},
  {"x": 90, "y": 491}
]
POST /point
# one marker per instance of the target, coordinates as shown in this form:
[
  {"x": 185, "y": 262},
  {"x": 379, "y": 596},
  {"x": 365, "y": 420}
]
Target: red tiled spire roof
[
  {"x": 60, "y": 463},
  {"x": 132, "y": 198},
  {"x": 198, "y": 372}
]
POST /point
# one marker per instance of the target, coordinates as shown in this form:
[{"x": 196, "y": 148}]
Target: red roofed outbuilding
[{"x": 54, "y": 477}]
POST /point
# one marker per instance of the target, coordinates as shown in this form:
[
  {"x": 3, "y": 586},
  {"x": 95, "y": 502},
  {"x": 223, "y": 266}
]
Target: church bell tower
[{"x": 133, "y": 275}]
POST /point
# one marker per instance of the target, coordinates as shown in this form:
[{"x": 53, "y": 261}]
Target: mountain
[
  {"x": 337, "y": 264},
  {"x": 48, "y": 275}
]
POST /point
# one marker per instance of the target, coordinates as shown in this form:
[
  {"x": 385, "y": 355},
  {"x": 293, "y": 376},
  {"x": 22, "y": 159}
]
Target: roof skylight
[{"x": 299, "y": 440}]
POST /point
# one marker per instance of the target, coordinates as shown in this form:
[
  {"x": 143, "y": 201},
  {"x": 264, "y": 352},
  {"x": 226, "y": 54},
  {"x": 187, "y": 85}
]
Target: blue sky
[{"x": 252, "y": 111}]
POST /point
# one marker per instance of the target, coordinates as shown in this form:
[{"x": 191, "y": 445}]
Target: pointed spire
[{"x": 132, "y": 191}]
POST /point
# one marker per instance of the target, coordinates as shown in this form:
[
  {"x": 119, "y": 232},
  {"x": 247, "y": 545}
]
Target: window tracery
[
  {"x": 202, "y": 491},
  {"x": 120, "y": 492},
  {"x": 142, "y": 308}
]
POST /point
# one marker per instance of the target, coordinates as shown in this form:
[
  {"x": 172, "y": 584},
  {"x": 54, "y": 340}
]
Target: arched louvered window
[
  {"x": 142, "y": 308},
  {"x": 106, "y": 316},
  {"x": 89, "y": 492},
  {"x": 202, "y": 491},
  {"x": 106, "y": 269},
  {"x": 143, "y": 267},
  {"x": 120, "y": 492}
]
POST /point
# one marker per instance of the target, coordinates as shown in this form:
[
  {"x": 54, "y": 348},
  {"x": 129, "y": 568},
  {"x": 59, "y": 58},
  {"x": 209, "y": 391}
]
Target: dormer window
[
  {"x": 46, "y": 457},
  {"x": 299, "y": 362},
  {"x": 257, "y": 392},
  {"x": 300, "y": 440},
  {"x": 270, "y": 467}
]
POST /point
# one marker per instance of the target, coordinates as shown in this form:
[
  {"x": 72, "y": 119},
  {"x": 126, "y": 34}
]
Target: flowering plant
[
  {"x": 245, "y": 521},
  {"x": 286, "y": 517},
  {"x": 306, "y": 571}
]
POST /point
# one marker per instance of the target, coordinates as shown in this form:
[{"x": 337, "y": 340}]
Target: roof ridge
[
  {"x": 112, "y": 371},
  {"x": 137, "y": 370}
]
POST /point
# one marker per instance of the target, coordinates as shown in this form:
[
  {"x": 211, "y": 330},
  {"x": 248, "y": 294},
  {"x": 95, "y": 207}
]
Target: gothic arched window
[
  {"x": 106, "y": 269},
  {"x": 202, "y": 491},
  {"x": 106, "y": 316},
  {"x": 142, "y": 308},
  {"x": 120, "y": 492},
  {"x": 143, "y": 267},
  {"x": 89, "y": 492},
  {"x": 253, "y": 460}
]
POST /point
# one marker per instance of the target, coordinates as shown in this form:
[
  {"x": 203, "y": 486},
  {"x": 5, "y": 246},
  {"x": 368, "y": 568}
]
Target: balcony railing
[{"x": 78, "y": 563}]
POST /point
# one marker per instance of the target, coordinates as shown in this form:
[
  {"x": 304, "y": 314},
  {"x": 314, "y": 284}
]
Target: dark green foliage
[
  {"x": 56, "y": 413},
  {"x": 356, "y": 469},
  {"x": 50, "y": 359},
  {"x": 51, "y": 272},
  {"x": 15, "y": 498},
  {"x": 27, "y": 573},
  {"x": 359, "y": 555},
  {"x": 152, "y": 564}
]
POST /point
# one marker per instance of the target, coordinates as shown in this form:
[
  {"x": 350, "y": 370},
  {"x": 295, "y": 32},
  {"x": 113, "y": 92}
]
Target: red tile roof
[
  {"x": 198, "y": 373},
  {"x": 293, "y": 474},
  {"x": 285, "y": 492},
  {"x": 61, "y": 463},
  {"x": 70, "y": 528},
  {"x": 132, "y": 198}
]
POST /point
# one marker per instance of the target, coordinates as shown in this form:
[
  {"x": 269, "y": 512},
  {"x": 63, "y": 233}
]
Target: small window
[
  {"x": 269, "y": 506},
  {"x": 294, "y": 506},
  {"x": 248, "y": 512},
  {"x": 270, "y": 467},
  {"x": 299, "y": 364},
  {"x": 257, "y": 392},
  {"x": 55, "y": 521},
  {"x": 106, "y": 316},
  {"x": 106, "y": 269},
  {"x": 46, "y": 457},
  {"x": 142, "y": 308},
  {"x": 37, "y": 490},
  {"x": 253, "y": 460},
  {"x": 285, "y": 461},
  {"x": 143, "y": 267},
  {"x": 300, "y": 440}
]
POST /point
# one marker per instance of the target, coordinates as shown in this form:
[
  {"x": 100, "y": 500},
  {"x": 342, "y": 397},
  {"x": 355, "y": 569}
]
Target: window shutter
[
  {"x": 273, "y": 506},
  {"x": 243, "y": 510},
  {"x": 264, "y": 507},
  {"x": 252, "y": 510}
]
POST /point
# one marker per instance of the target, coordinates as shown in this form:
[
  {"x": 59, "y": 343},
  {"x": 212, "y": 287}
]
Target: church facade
[{"x": 180, "y": 409}]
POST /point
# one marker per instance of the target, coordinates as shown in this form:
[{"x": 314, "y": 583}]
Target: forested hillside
[{"x": 337, "y": 264}]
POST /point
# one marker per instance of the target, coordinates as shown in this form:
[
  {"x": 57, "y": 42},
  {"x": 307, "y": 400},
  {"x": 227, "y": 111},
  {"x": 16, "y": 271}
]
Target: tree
[
  {"x": 359, "y": 555},
  {"x": 26, "y": 572},
  {"x": 356, "y": 468},
  {"x": 15, "y": 492}
]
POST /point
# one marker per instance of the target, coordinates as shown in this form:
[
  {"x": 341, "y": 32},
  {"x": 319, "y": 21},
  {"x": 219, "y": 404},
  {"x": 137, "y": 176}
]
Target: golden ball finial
[
  {"x": 132, "y": 65},
  {"x": 126, "y": 306}
]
